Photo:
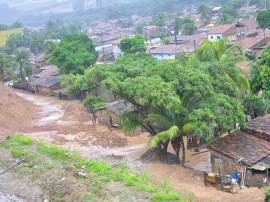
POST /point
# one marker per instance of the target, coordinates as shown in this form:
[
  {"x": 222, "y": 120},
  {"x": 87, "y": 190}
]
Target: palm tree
[
  {"x": 172, "y": 126},
  {"x": 218, "y": 51},
  {"x": 21, "y": 58},
  {"x": 6, "y": 63}
]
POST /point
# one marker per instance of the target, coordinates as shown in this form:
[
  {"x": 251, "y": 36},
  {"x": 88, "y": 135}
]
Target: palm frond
[
  {"x": 164, "y": 136},
  {"x": 187, "y": 127},
  {"x": 160, "y": 120}
]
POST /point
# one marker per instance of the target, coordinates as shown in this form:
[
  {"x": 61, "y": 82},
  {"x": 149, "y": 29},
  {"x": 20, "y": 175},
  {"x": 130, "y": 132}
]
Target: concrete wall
[
  {"x": 164, "y": 56},
  {"x": 214, "y": 37}
]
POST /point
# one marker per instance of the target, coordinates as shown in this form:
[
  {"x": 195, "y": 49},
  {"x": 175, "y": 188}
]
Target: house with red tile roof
[
  {"x": 222, "y": 31},
  {"x": 245, "y": 152}
]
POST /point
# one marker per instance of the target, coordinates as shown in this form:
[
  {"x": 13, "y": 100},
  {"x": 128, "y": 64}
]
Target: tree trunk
[
  {"x": 1, "y": 75},
  {"x": 21, "y": 71},
  {"x": 183, "y": 151}
]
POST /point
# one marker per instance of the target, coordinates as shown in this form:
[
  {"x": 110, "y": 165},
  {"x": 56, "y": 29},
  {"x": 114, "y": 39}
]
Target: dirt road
[{"x": 67, "y": 123}]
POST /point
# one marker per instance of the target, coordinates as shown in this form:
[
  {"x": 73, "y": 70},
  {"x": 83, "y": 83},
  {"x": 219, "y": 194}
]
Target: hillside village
[{"x": 183, "y": 95}]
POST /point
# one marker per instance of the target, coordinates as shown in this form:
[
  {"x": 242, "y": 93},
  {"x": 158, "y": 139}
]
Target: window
[
  {"x": 212, "y": 37},
  {"x": 218, "y": 37}
]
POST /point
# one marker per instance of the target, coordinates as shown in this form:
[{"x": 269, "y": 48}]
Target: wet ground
[{"x": 67, "y": 123}]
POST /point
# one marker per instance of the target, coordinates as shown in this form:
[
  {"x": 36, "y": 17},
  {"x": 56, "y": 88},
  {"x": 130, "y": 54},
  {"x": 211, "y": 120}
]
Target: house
[
  {"x": 217, "y": 10},
  {"x": 246, "y": 152},
  {"x": 109, "y": 53},
  {"x": 151, "y": 31},
  {"x": 111, "y": 113},
  {"x": 222, "y": 31},
  {"x": 170, "y": 52},
  {"x": 46, "y": 81},
  {"x": 259, "y": 127},
  {"x": 245, "y": 10},
  {"x": 256, "y": 44},
  {"x": 196, "y": 38}
]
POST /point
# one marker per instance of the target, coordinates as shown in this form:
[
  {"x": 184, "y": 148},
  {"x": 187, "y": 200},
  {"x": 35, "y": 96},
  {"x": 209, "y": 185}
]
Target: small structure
[
  {"x": 170, "y": 52},
  {"x": 46, "y": 80},
  {"x": 243, "y": 153},
  {"x": 222, "y": 31},
  {"x": 151, "y": 31},
  {"x": 111, "y": 113}
]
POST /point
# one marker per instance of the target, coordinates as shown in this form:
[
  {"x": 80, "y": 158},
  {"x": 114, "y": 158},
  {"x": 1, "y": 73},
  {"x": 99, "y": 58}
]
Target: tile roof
[
  {"x": 47, "y": 70},
  {"x": 248, "y": 43},
  {"x": 260, "y": 125},
  {"x": 249, "y": 23},
  {"x": 118, "y": 107},
  {"x": 221, "y": 29},
  {"x": 240, "y": 144},
  {"x": 47, "y": 81},
  {"x": 173, "y": 49}
]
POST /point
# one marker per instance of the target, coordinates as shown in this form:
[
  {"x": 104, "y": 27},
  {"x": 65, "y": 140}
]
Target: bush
[{"x": 267, "y": 194}]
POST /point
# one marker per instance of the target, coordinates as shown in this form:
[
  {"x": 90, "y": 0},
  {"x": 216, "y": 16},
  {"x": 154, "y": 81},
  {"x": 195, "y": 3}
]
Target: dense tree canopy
[
  {"x": 74, "y": 54},
  {"x": 263, "y": 18},
  {"x": 132, "y": 45},
  {"x": 202, "y": 99}
]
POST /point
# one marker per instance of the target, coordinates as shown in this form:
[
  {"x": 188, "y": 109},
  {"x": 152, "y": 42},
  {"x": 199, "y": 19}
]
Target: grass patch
[
  {"x": 56, "y": 153},
  {"x": 50, "y": 164}
]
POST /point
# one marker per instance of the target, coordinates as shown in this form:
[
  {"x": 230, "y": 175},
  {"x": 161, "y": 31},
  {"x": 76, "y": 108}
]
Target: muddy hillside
[{"x": 16, "y": 113}]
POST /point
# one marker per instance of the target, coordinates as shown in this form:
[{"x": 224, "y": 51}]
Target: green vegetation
[
  {"x": 132, "y": 45},
  {"x": 201, "y": 94},
  {"x": 267, "y": 194},
  {"x": 43, "y": 159},
  {"x": 6, "y": 67},
  {"x": 263, "y": 18},
  {"x": 74, "y": 54},
  {"x": 93, "y": 102}
]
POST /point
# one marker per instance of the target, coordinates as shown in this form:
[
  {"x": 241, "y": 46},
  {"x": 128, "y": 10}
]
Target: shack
[
  {"x": 111, "y": 113},
  {"x": 243, "y": 153}
]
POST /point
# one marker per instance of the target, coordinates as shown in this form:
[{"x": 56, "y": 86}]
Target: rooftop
[
  {"x": 47, "y": 81},
  {"x": 251, "y": 42},
  {"x": 173, "y": 49},
  {"x": 118, "y": 107},
  {"x": 240, "y": 144},
  {"x": 260, "y": 124},
  {"x": 221, "y": 29}
]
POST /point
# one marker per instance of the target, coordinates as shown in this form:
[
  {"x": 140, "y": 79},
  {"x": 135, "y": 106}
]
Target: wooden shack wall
[{"x": 103, "y": 115}]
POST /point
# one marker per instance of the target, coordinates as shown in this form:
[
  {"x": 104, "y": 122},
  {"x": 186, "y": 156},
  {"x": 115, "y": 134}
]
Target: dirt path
[{"x": 67, "y": 123}]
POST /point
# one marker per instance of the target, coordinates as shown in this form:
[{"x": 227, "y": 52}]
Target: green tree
[
  {"x": 36, "y": 43},
  {"x": 6, "y": 66},
  {"x": 74, "y": 54},
  {"x": 133, "y": 45},
  {"x": 15, "y": 41},
  {"x": 93, "y": 102},
  {"x": 21, "y": 58},
  {"x": 188, "y": 26},
  {"x": 205, "y": 13},
  {"x": 159, "y": 19},
  {"x": 256, "y": 105},
  {"x": 263, "y": 18}
]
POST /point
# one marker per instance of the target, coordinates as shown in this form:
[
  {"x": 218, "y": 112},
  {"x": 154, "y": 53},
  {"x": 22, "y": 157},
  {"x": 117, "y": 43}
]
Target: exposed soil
[{"x": 68, "y": 124}]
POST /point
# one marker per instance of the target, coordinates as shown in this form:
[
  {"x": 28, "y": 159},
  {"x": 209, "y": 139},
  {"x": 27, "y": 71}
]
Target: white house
[
  {"x": 222, "y": 31},
  {"x": 169, "y": 52}
]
